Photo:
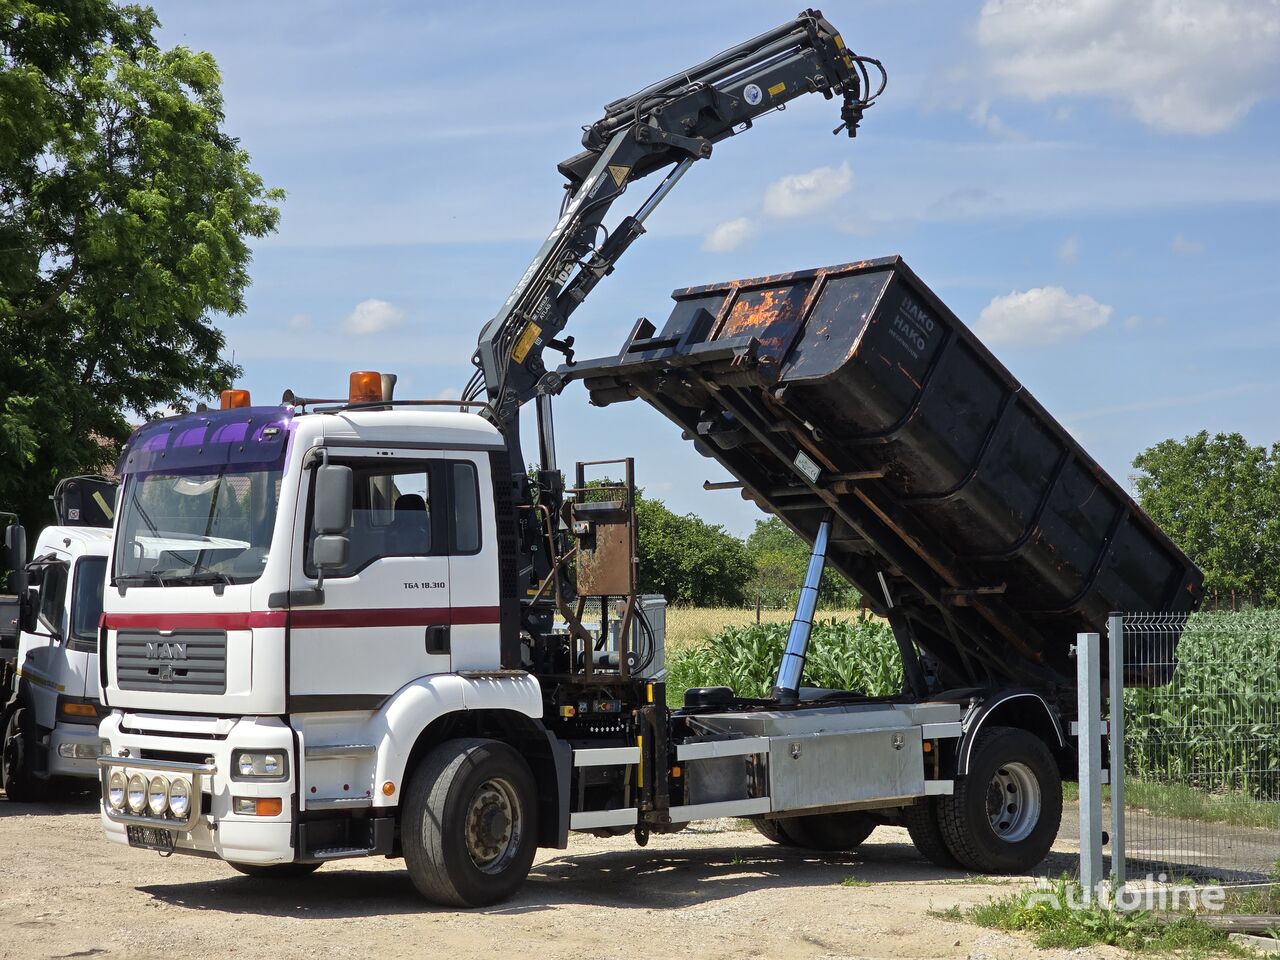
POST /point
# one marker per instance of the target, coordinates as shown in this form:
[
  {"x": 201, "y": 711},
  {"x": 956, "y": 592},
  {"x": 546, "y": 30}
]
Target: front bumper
[{"x": 211, "y": 828}]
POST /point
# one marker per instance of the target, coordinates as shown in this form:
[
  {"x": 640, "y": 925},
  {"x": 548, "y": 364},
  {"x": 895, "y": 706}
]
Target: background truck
[
  {"x": 337, "y": 628},
  {"x": 49, "y": 708}
]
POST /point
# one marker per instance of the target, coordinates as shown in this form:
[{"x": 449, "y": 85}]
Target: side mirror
[
  {"x": 332, "y": 519},
  {"x": 29, "y": 610},
  {"x": 329, "y": 552},
  {"x": 15, "y": 558},
  {"x": 332, "y": 514}
]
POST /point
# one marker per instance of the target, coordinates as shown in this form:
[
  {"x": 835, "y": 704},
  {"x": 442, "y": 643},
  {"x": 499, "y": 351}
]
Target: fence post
[
  {"x": 1089, "y": 744},
  {"x": 1115, "y": 635}
]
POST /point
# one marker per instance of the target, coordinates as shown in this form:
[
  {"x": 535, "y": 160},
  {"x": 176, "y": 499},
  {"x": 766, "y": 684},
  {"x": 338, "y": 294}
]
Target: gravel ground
[{"x": 714, "y": 891}]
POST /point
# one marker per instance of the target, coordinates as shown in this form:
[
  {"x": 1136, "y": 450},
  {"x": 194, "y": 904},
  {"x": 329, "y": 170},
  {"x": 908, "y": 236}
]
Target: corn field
[
  {"x": 854, "y": 652},
  {"x": 1216, "y": 725},
  {"x": 690, "y": 625}
]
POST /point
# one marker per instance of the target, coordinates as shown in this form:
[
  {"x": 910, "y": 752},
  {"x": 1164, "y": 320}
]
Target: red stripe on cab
[{"x": 303, "y": 618}]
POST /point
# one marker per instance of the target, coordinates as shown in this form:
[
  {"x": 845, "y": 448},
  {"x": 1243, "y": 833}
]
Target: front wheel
[
  {"x": 276, "y": 871},
  {"x": 469, "y": 829},
  {"x": 1005, "y": 814},
  {"x": 17, "y": 759}
]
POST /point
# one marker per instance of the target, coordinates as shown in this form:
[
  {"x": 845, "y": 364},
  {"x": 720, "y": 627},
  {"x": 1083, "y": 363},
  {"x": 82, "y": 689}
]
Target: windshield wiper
[
  {"x": 196, "y": 577},
  {"x": 148, "y": 575}
]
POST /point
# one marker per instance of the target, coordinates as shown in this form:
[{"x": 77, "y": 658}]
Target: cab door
[
  {"x": 385, "y": 616},
  {"x": 473, "y": 563},
  {"x": 40, "y": 651}
]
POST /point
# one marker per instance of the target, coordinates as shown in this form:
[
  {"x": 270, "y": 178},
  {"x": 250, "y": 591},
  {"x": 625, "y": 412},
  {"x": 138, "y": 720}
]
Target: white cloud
[
  {"x": 1069, "y": 249},
  {"x": 1178, "y": 66},
  {"x": 299, "y": 321},
  {"x": 801, "y": 194},
  {"x": 1185, "y": 247},
  {"x": 1040, "y": 315},
  {"x": 373, "y": 316},
  {"x": 729, "y": 235},
  {"x": 981, "y": 115}
]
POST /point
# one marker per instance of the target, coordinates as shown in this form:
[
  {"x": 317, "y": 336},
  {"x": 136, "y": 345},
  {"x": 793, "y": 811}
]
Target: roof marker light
[{"x": 366, "y": 386}]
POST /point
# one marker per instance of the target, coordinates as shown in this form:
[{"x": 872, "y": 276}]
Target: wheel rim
[
  {"x": 1013, "y": 802},
  {"x": 494, "y": 825}
]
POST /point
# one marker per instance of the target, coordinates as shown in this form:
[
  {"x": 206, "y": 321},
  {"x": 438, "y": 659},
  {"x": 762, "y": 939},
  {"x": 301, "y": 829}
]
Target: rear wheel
[
  {"x": 17, "y": 759},
  {"x": 470, "y": 823},
  {"x": 1005, "y": 814},
  {"x": 921, "y": 821},
  {"x": 827, "y": 831},
  {"x": 276, "y": 871}
]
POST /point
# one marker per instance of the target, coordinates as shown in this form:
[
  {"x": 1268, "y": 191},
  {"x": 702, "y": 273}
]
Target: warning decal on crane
[
  {"x": 619, "y": 173},
  {"x": 528, "y": 336}
]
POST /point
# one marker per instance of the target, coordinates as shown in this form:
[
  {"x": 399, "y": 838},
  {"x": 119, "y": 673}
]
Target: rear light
[
  {"x": 234, "y": 398},
  {"x": 365, "y": 386}
]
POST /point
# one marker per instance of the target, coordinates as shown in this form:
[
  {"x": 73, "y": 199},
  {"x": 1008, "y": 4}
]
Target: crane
[{"x": 666, "y": 126}]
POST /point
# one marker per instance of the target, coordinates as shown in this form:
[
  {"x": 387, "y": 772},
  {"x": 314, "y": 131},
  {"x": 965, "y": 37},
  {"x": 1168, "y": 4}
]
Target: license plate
[{"x": 151, "y": 838}]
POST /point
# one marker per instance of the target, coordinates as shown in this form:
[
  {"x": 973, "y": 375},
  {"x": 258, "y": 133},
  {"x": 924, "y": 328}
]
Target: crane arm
[{"x": 668, "y": 125}]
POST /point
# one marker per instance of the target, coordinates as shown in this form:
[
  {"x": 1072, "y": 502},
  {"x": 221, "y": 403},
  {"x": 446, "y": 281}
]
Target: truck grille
[{"x": 189, "y": 661}]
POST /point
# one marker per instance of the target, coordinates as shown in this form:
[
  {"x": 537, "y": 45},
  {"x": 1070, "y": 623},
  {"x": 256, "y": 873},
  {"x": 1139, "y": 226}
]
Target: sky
[{"x": 1092, "y": 185}]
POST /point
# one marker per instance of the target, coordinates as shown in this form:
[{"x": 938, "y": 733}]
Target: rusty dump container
[{"x": 961, "y": 508}]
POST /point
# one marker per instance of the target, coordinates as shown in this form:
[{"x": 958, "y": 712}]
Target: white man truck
[
  {"x": 49, "y": 709},
  {"x": 358, "y": 627}
]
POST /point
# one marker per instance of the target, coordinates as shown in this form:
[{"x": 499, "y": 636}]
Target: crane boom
[{"x": 668, "y": 126}]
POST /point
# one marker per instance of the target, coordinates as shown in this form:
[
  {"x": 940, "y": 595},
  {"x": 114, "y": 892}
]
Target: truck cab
[{"x": 51, "y": 710}]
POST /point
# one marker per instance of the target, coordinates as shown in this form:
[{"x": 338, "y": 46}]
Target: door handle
[{"x": 438, "y": 639}]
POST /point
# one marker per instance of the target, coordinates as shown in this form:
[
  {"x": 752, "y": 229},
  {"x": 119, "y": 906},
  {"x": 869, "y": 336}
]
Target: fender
[
  {"x": 395, "y": 728},
  {"x": 1045, "y": 720}
]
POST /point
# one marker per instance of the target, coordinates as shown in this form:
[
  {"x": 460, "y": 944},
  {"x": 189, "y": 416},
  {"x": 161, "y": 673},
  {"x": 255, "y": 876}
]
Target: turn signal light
[
  {"x": 72, "y": 709},
  {"x": 234, "y": 398},
  {"x": 366, "y": 386},
  {"x": 257, "y": 806}
]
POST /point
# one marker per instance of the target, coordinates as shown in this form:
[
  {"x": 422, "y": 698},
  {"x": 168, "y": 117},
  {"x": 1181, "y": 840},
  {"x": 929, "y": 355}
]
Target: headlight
[
  {"x": 115, "y": 790},
  {"x": 259, "y": 765},
  {"x": 180, "y": 798},
  {"x": 136, "y": 793},
  {"x": 158, "y": 796}
]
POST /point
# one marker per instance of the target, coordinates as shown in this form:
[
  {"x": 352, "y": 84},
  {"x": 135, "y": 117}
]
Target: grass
[
  {"x": 687, "y": 626},
  {"x": 854, "y": 882},
  {"x": 1184, "y": 802},
  {"x": 1053, "y": 922}
]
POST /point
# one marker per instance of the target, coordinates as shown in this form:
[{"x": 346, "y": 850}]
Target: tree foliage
[
  {"x": 688, "y": 560},
  {"x": 1219, "y": 499},
  {"x": 125, "y": 210},
  {"x": 781, "y": 559}
]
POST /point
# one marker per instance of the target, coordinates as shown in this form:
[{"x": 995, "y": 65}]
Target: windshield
[
  {"x": 86, "y": 598},
  {"x": 196, "y": 527}
]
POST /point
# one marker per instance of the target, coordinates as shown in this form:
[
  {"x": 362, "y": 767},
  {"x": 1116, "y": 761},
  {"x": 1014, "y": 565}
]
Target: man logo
[{"x": 166, "y": 651}]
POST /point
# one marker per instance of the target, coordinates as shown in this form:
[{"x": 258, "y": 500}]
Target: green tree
[
  {"x": 1219, "y": 499},
  {"x": 689, "y": 560},
  {"x": 781, "y": 559},
  {"x": 125, "y": 210}
]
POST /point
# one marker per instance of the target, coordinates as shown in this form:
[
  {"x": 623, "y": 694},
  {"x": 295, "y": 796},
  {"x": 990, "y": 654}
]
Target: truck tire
[
  {"x": 276, "y": 871},
  {"x": 17, "y": 757},
  {"x": 771, "y": 830},
  {"x": 921, "y": 821},
  {"x": 1005, "y": 814},
  {"x": 827, "y": 831},
  {"x": 469, "y": 828}
]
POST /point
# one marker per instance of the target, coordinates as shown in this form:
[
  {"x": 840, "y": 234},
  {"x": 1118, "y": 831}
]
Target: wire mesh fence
[{"x": 1202, "y": 746}]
